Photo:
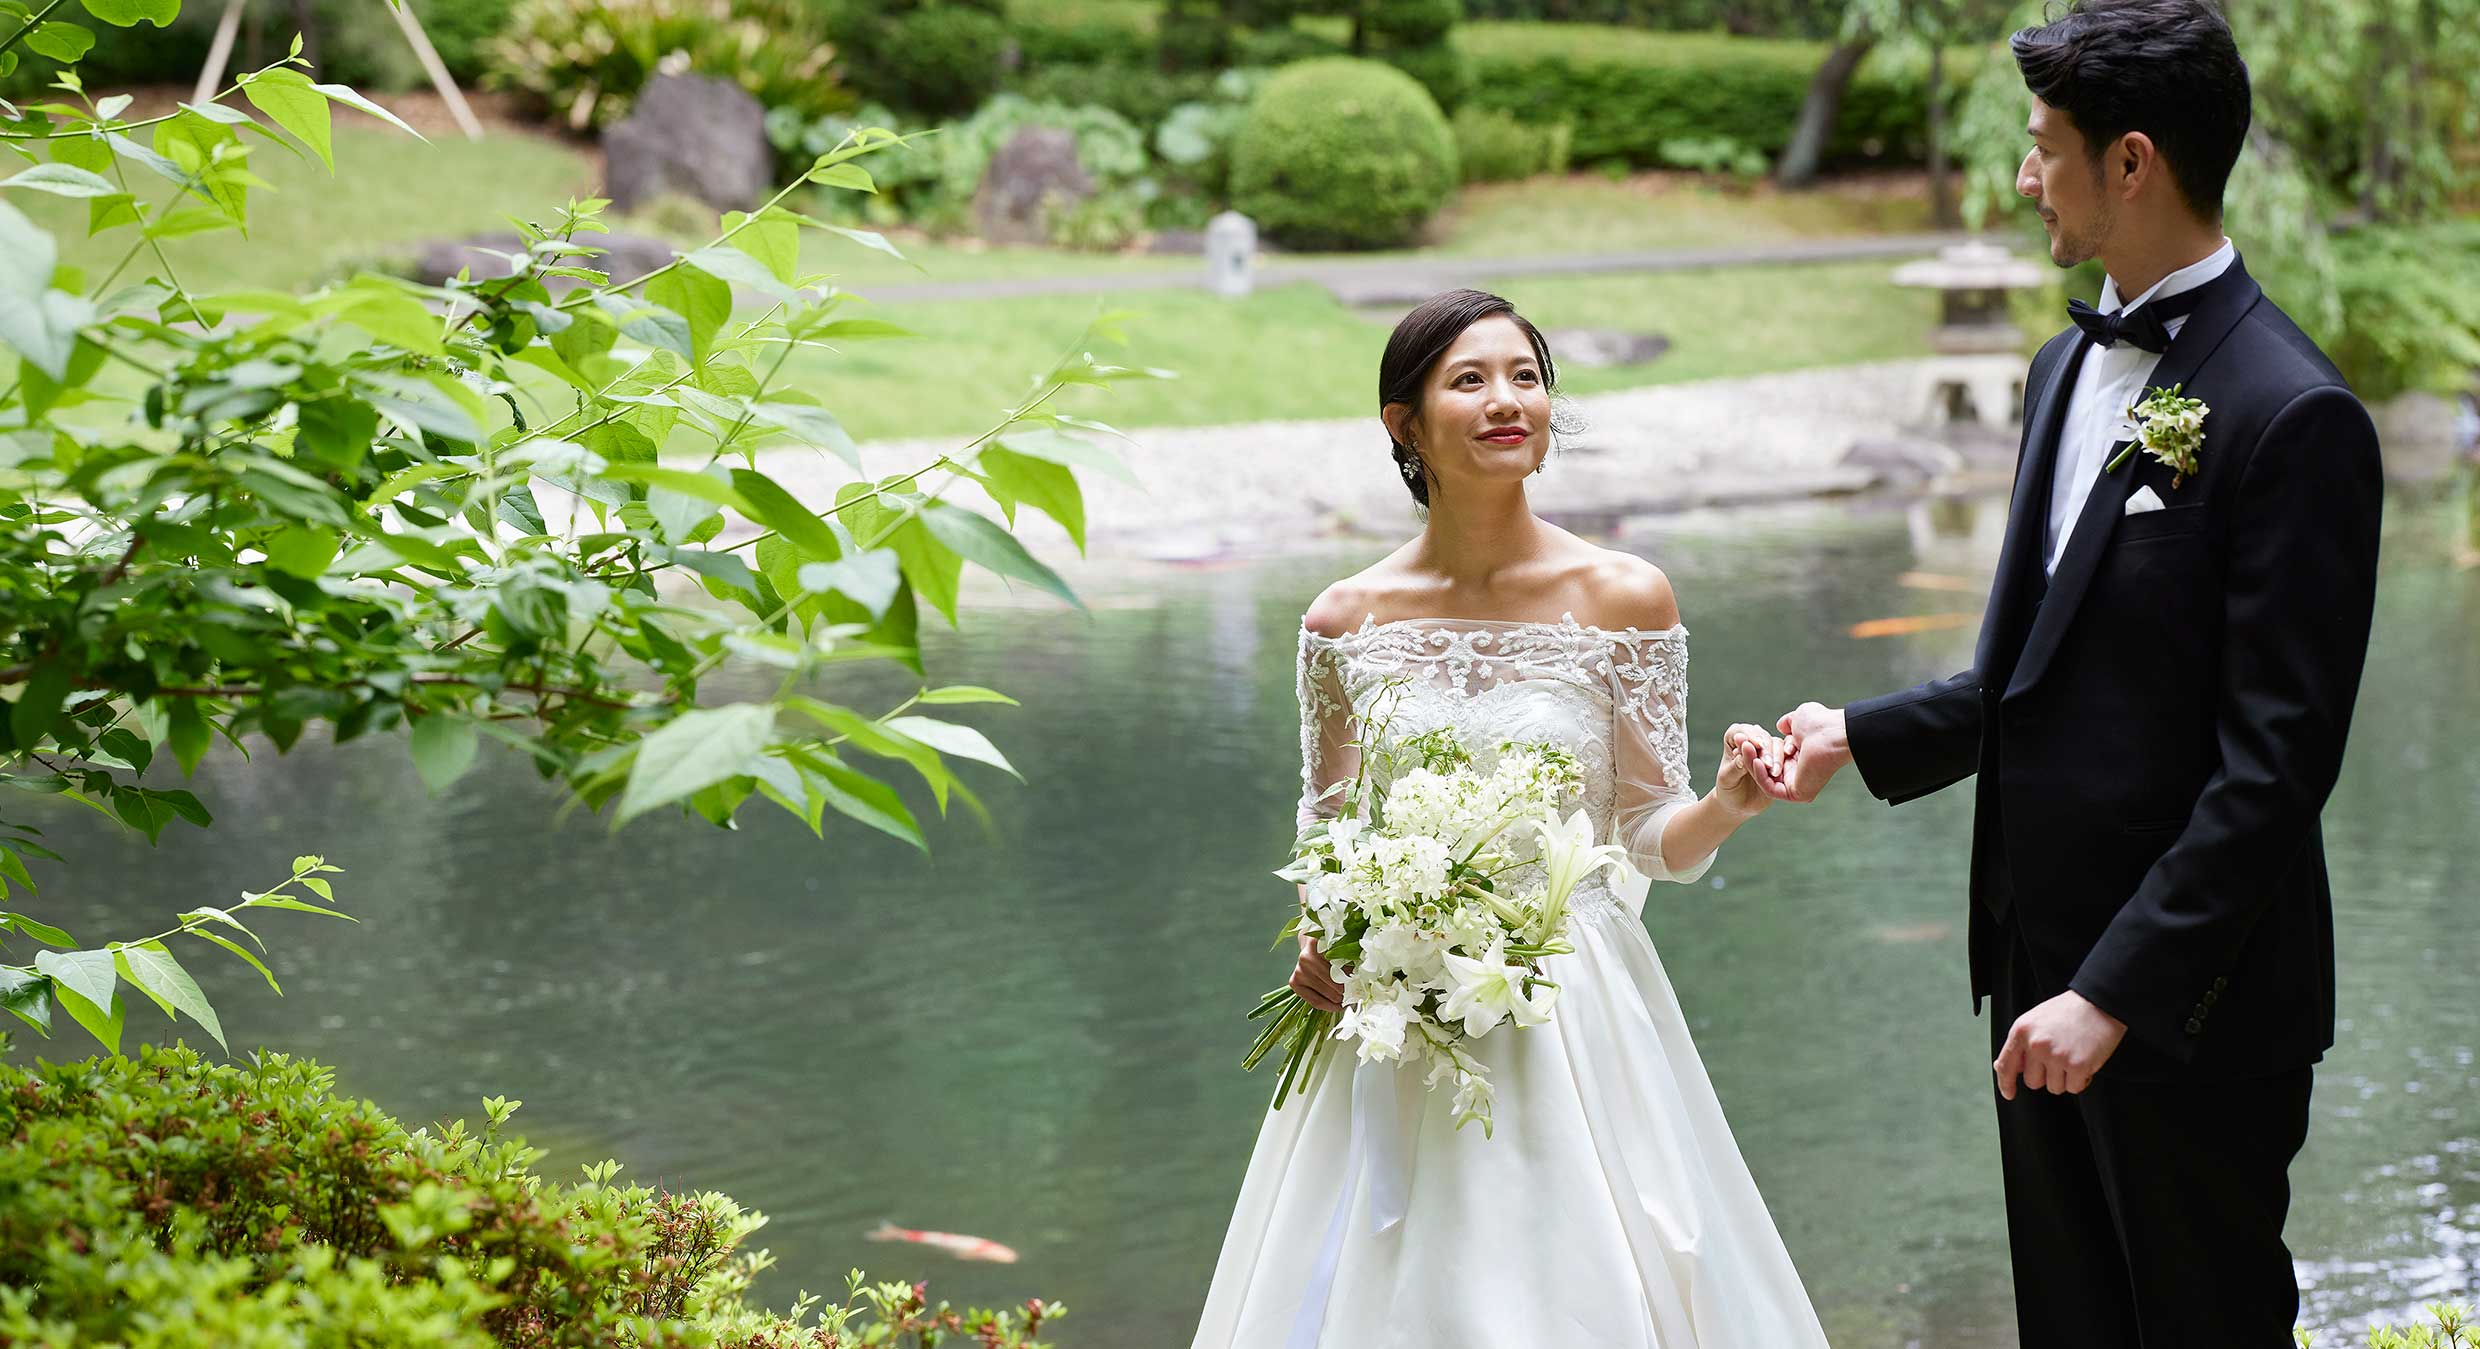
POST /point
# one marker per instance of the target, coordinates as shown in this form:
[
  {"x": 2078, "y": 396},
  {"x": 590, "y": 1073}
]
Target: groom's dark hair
[{"x": 2167, "y": 68}]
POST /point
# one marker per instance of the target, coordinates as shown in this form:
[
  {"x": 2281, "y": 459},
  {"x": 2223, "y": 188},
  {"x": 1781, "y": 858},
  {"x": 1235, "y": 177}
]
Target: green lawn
[{"x": 1294, "y": 352}]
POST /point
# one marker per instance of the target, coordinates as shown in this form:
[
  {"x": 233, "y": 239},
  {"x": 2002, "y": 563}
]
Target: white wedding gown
[{"x": 1612, "y": 1209}]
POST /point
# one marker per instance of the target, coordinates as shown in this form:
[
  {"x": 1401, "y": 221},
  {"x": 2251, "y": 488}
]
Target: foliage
[
  {"x": 1494, "y": 147},
  {"x": 937, "y": 60},
  {"x": 1145, "y": 96},
  {"x": 1417, "y": 37},
  {"x": 165, "y": 1201},
  {"x": 1342, "y": 153},
  {"x": 1193, "y": 144},
  {"x": 2451, "y": 1327},
  {"x": 1765, "y": 18},
  {"x": 930, "y": 183},
  {"x": 1044, "y": 37},
  {"x": 2375, "y": 96},
  {"x": 2410, "y": 301},
  {"x": 1628, "y": 93},
  {"x": 447, "y": 511},
  {"x": 586, "y": 59},
  {"x": 351, "y": 41}
]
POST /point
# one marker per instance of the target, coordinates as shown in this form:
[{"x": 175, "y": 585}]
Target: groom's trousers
[{"x": 2147, "y": 1215}]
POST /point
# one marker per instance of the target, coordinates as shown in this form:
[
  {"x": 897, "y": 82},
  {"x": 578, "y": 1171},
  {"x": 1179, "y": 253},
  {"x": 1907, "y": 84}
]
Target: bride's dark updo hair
[{"x": 1413, "y": 351}]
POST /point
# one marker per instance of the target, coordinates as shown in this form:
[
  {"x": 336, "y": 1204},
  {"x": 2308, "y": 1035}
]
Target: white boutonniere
[{"x": 2169, "y": 428}]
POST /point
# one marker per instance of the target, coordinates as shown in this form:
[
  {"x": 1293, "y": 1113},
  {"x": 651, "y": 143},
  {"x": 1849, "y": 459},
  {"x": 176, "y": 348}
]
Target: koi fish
[
  {"x": 1930, "y": 580},
  {"x": 1898, "y": 627},
  {"x": 956, "y": 1244}
]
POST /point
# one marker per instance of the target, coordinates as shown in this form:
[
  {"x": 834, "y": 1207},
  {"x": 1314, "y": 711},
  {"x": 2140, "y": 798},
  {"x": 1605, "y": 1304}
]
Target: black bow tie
[{"x": 2146, "y": 326}]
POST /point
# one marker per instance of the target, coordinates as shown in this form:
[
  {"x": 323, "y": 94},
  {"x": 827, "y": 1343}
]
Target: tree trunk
[
  {"x": 1941, "y": 175},
  {"x": 1819, "y": 111}
]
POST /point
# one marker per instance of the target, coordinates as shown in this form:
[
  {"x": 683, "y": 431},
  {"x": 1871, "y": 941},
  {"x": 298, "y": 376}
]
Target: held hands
[
  {"x": 1748, "y": 756},
  {"x": 2058, "y": 1046},
  {"x": 1800, "y": 764}
]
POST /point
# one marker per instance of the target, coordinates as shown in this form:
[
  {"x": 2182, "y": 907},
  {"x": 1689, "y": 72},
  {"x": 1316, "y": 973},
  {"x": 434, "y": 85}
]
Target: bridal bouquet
[{"x": 1413, "y": 894}]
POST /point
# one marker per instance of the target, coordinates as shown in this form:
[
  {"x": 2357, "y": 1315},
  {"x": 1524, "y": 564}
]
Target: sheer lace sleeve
[
  {"x": 1649, "y": 747},
  {"x": 1328, "y": 753}
]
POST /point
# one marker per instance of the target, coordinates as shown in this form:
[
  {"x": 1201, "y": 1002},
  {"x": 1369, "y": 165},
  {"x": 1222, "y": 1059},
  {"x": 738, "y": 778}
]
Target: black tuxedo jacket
[{"x": 2155, "y": 728}]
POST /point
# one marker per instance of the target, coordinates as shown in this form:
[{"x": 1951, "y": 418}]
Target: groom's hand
[
  {"x": 1817, "y": 749},
  {"x": 2058, "y": 1046}
]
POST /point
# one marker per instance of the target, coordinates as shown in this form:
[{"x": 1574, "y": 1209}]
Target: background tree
[{"x": 485, "y": 512}]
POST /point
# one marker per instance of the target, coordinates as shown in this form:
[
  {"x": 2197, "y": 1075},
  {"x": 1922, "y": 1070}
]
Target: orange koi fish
[{"x": 956, "y": 1244}]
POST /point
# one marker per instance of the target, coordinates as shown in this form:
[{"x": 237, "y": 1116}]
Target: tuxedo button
[
  {"x": 2221, "y": 983},
  {"x": 2212, "y": 997},
  {"x": 2195, "y": 1026}
]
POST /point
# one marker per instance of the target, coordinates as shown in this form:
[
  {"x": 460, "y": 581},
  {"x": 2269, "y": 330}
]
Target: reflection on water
[{"x": 1033, "y": 1034}]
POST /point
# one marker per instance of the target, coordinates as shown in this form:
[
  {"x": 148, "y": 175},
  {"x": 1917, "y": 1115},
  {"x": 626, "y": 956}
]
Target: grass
[
  {"x": 1294, "y": 352},
  {"x": 1590, "y": 213}
]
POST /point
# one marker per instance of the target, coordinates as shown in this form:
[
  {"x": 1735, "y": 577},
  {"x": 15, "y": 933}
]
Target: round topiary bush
[{"x": 1343, "y": 153}]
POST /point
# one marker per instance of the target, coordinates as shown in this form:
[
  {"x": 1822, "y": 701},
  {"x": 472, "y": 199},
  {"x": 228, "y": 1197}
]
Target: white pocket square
[{"x": 2143, "y": 501}]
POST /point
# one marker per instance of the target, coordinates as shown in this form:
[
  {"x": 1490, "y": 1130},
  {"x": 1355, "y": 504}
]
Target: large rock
[
  {"x": 1034, "y": 174},
  {"x": 700, "y": 137}
]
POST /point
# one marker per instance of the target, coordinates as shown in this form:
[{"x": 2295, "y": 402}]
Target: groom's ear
[{"x": 2138, "y": 163}]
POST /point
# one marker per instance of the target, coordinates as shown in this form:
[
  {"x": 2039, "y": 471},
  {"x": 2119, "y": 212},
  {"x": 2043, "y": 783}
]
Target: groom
[{"x": 2153, "y": 718}]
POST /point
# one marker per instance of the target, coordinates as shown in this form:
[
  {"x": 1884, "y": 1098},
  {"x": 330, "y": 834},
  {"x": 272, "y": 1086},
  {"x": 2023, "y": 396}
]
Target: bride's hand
[
  {"x": 1314, "y": 979},
  {"x": 1746, "y": 751}
]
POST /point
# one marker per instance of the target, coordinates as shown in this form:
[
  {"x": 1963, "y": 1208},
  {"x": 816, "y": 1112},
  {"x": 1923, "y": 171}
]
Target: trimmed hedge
[
  {"x": 1628, "y": 92},
  {"x": 1343, "y": 153}
]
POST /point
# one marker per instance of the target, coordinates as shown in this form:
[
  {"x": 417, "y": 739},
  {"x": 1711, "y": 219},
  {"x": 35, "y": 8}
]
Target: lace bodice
[{"x": 1617, "y": 700}]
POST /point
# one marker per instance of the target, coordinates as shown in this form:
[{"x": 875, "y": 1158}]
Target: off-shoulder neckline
[{"x": 1565, "y": 622}]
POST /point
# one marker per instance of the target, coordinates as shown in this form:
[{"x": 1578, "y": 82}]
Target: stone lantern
[
  {"x": 1231, "y": 254},
  {"x": 1981, "y": 369}
]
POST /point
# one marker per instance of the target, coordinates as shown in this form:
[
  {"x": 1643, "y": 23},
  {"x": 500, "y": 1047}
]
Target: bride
[{"x": 1612, "y": 1208}]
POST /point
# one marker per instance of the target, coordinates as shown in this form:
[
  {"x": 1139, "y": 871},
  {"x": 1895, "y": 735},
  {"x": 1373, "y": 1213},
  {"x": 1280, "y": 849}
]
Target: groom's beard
[{"x": 2069, "y": 248}]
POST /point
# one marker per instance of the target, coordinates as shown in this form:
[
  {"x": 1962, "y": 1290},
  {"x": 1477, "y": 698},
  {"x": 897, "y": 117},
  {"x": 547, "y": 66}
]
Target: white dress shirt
[{"x": 2112, "y": 379}]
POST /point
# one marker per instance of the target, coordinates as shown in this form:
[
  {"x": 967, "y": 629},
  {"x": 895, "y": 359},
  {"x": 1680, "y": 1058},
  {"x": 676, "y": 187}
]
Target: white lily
[
  {"x": 1568, "y": 856},
  {"x": 1488, "y": 991}
]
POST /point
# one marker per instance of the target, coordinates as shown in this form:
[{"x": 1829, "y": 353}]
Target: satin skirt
[{"x": 1612, "y": 1208}]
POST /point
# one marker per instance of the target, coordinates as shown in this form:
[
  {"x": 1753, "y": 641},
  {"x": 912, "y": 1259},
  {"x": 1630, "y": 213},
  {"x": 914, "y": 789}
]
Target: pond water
[{"x": 1033, "y": 1033}]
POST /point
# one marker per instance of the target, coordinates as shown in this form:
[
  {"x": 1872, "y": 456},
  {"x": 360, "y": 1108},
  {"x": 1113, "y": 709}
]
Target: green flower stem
[
  {"x": 2123, "y": 456},
  {"x": 31, "y": 25}
]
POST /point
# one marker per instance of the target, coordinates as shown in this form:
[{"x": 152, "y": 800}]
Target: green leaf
[
  {"x": 701, "y": 300},
  {"x": 127, "y": 13},
  {"x": 105, "y": 1025},
  {"x": 778, "y": 510},
  {"x": 774, "y": 239},
  {"x": 729, "y": 264},
  {"x": 347, "y": 97},
  {"x": 962, "y": 693},
  {"x": 42, "y": 932},
  {"x": 28, "y": 998},
  {"x": 851, "y": 176},
  {"x": 858, "y": 796},
  {"x": 38, "y": 704},
  {"x": 287, "y": 96},
  {"x": 303, "y": 551},
  {"x": 1061, "y": 448},
  {"x": 868, "y": 579},
  {"x": 188, "y": 735},
  {"x": 62, "y": 180},
  {"x": 685, "y": 482},
  {"x": 935, "y": 569},
  {"x": 159, "y": 976},
  {"x": 386, "y": 312},
  {"x": 89, "y": 974},
  {"x": 296, "y": 905},
  {"x": 443, "y": 748},
  {"x": 814, "y": 425},
  {"x": 871, "y": 239},
  {"x": 237, "y": 949},
  {"x": 1040, "y": 483},
  {"x": 978, "y": 540},
  {"x": 63, "y": 42},
  {"x": 192, "y": 143},
  {"x": 697, "y": 749},
  {"x": 948, "y": 738}
]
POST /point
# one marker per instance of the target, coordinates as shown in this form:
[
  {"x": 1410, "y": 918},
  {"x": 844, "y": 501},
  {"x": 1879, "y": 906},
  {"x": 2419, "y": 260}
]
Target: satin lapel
[
  {"x": 2027, "y": 516},
  {"x": 2231, "y": 295}
]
